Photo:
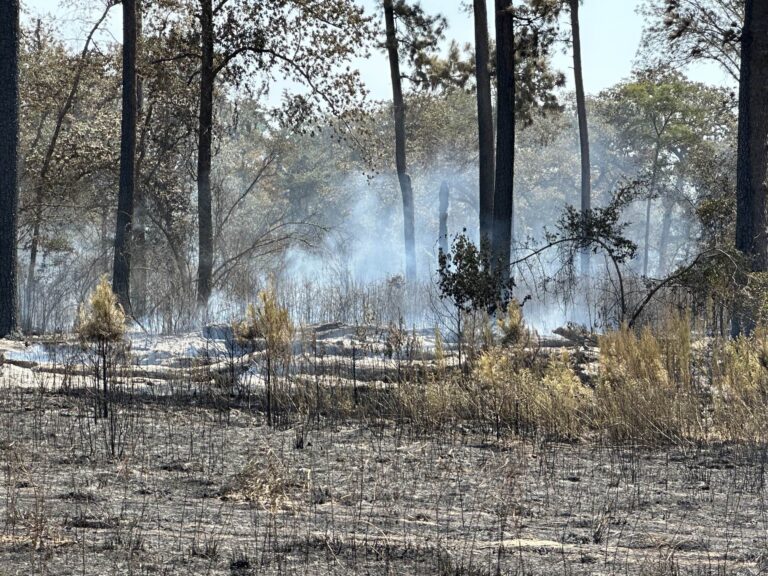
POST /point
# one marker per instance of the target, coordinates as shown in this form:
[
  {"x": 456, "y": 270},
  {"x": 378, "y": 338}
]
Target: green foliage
[
  {"x": 536, "y": 33},
  {"x": 661, "y": 111},
  {"x": 672, "y": 130},
  {"x": 680, "y": 32},
  {"x": 419, "y": 33},
  {"x": 597, "y": 229},
  {"x": 468, "y": 280},
  {"x": 305, "y": 42},
  {"x": 535, "y": 37},
  {"x": 668, "y": 123},
  {"x": 437, "y": 74},
  {"x": 720, "y": 279}
]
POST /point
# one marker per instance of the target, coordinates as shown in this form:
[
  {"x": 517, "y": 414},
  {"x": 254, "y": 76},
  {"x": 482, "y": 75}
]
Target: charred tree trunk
[
  {"x": 205, "y": 139},
  {"x": 443, "y": 217},
  {"x": 484, "y": 122},
  {"x": 505, "y": 137},
  {"x": 121, "y": 272},
  {"x": 581, "y": 111},
  {"x": 9, "y": 148},
  {"x": 139, "y": 256},
  {"x": 400, "y": 139},
  {"x": 106, "y": 241},
  {"x": 752, "y": 153},
  {"x": 139, "y": 244},
  {"x": 29, "y": 286}
]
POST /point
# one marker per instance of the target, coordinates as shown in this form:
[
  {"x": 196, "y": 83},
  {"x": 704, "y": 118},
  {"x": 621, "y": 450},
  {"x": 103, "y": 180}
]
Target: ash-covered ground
[{"x": 177, "y": 481}]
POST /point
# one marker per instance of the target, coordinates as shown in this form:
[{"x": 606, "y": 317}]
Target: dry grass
[
  {"x": 405, "y": 465},
  {"x": 645, "y": 391},
  {"x": 739, "y": 375},
  {"x": 651, "y": 387}
]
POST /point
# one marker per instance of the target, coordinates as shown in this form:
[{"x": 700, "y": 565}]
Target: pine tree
[{"x": 9, "y": 141}]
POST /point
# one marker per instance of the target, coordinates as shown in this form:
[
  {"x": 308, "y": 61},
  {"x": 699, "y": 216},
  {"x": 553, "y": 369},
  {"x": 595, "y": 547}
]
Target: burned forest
[{"x": 384, "y": 287}]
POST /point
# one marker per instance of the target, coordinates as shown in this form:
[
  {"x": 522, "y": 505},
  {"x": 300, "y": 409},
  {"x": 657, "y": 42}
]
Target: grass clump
[
  {"x": 101, "y": 327},
  {"x": 434, "y": 404},
  {"x": 739, "y": 371},
  {"x": 645, "y": 391},
  {"x": 270, "y": 321},
  {"x": 548, "y": 400},
  {"x": 509, "y": 388},
  {"x": 266, "y": 483}
]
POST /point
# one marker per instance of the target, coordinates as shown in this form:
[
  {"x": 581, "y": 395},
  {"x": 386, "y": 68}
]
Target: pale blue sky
[{"x": 611, "y": 32}]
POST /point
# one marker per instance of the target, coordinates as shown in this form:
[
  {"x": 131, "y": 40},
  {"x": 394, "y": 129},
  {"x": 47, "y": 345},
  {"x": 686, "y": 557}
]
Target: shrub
[
  {"x": 268, "y": 484},
  {"x": 103, "y": 319},
  {"x": 269, "y": 321},
  {"x": 468, "y": 279},
  {"x": 511, "y": 324},
  {"x": 475, "y": 288}
]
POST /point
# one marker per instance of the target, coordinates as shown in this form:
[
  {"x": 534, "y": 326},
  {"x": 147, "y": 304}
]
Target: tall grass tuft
[
  {"x": 530, "y": 400},
  {"x": 101, "y": 325},
  {"x": 739, "y": 371},
  {"x": 645, "y": 391}
]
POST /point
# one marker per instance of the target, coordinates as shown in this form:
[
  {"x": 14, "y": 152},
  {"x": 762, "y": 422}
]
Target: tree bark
[
  {"x": 121, "y": 272},
  {"x": 503, "y": 203},
  {"x": 752, "y": 153},
  {"x": 403, "y": 177},
  {"x": 139, "y": 244},
  {"x": 484, "y": 122},
  {"x": 29, "y": 287},
  {"x": 205, "y": 139},
  {"x": 443, "y": 217},
  {"x": 9, "y": 144},
  {"x": 581, "y": 111}
]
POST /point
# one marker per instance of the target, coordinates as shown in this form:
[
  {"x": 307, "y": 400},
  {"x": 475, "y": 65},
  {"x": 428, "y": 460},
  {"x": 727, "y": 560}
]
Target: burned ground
[
  {"x": 186, "y": 477},
  {"x": 198, "y": 490}
]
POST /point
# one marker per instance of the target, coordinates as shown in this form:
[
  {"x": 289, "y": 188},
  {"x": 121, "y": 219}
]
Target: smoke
[{"x": 365, "y": 241}]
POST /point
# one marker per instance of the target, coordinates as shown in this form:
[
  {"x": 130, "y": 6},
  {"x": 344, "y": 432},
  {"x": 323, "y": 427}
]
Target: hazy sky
[{"x": 611, "y": 32}]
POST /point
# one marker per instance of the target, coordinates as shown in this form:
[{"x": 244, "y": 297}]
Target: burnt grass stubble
[{"x": 193, "y": 481}]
